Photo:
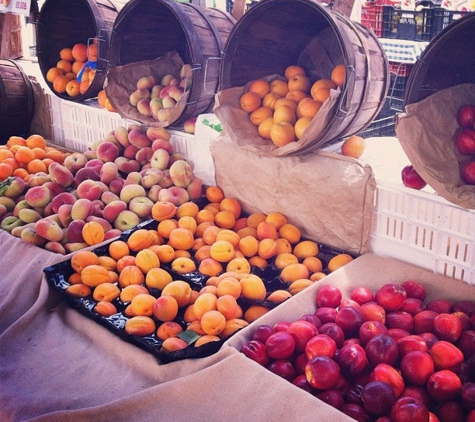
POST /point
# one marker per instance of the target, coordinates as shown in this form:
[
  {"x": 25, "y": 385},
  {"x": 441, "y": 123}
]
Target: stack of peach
[
  {"x": 283, "y": 108},
  {"x": 218, "y": 242},
  {"x": 64, "y": 76}
]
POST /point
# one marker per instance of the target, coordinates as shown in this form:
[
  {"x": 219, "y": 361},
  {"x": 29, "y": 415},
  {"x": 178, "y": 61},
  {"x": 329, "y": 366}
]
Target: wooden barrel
[
  {"x": 148, "y": 29},
  {"x": 63, "y": 23},
  {"x": 277, "y": 33},
  {"x": 16, "y": 101},
  {"x": 447, "y": 61}
]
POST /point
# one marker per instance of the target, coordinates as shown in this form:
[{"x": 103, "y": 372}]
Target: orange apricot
[
  {"x": 169, "y": 329},
  {"x": 165, "y": 308}
]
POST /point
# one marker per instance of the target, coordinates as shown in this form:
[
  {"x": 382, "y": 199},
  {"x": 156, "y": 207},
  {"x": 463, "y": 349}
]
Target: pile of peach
[
  {"x": 82, "y": 199},
  {"x": 217, "y": 242},
  {"x": 64, "y": 76}
]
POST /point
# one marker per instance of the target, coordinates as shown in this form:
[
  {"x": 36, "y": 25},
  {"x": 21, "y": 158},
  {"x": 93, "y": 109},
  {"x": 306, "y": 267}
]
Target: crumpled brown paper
[
  {"x": 426, "y": 132},
  {"x": 328, "y": 196},
  {"x": 244, "y": 133},
  {"x": 121, "y": 82}
]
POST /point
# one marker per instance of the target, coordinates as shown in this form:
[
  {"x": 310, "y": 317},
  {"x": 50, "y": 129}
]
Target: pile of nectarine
[
  {"x": 282, "y": 108},
  {"x": 71, "y": 76}
]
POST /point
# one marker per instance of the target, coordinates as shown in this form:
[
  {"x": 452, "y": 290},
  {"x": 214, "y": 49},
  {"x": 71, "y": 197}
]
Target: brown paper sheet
[
  {"x": 426, "y": 132},
  {"x": 121, "y": 82},
  {"x": 328, "y": 196}
]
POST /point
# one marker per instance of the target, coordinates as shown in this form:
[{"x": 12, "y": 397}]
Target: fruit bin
[
  {"x": 372, "y": 17},
  {"x": 423, "y": 229},
  {"x": 421, "y": 25},
  {"x": 383, "y": 270}
]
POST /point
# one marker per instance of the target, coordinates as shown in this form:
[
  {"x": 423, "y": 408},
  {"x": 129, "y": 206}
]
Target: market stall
[{"x": 195, "y": 265}]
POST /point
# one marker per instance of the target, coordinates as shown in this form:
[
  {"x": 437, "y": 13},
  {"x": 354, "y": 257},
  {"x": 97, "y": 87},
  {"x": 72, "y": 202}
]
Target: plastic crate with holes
[
  {"x": 423, "y": 229},
  {"x": 372, "y": 17},
  {"x": 76, "y": 126},
  {"x": 420, "y": 25}
]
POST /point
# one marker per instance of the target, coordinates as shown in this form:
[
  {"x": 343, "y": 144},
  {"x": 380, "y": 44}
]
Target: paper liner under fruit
[
  {"x": 122, "y": 81},
  {"x": 426, "y": 132},
  {"x": 244, "y": 133}
]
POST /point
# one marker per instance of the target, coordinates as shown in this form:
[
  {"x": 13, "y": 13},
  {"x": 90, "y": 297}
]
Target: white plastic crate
[
  {"x": 423, "y": 229},
  {"x": 84, "y": 124}
]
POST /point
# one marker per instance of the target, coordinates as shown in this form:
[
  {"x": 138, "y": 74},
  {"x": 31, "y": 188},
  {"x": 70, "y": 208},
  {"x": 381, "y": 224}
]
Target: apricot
[
  {"x": 143, "y": 304},
  {"x": 209, "y": 266},
  {"x": 228, "y": 306},
  {"x": 157, "y": 278},
  {"x": 225, "y": 219},
  {"x": 313, "y": 263},
  {"x": 239, "y": 264},
  {"x": 248, "y": 245},
  {"x": 299, "y": 285},
  {"x": 132, "y": 290},
  {"x": 338, "y": 261},
  {"x": 229, "y": 286},
  {"x": 294, "y": 272},
  {"x": 189, "y": 314},
  {"x": 131, "y": 274},
  {"x": 266, "y": 230},
  {"x": 232, "y": 326},
  {"x": 106, "y": 292},
  {"x": 105, "y": 309},
  {"x": 107, "y": 262},
  {"x": 202, "y": 253},
  {"x": 222, "y": 251},
  {"x": 168, "y": 329},
  {"x": 125, "y": 261},
  {"x": 93, "y": 275},
  {"x": 93, "y": 233},
  {"x": 196, "y": 327},
  {"x": 165, "y": 308},
  {"x": 140, "y": 325},
  {"x": 173, "y": 344},
  {"x": 279, "y": 296},
  {"x": 165, "y": 227},
  {"x": 82, "y": 259},
  {"x": 252, "y": 287},
  {"x": 139, "y": 239},
  {"x": 183, "y": 265},
  {"x": 214, "y": 194},
  {"x": 210, "y": 234},
  {"x": 204, "y": 302},
  {"x": 146, "y": 259},
  {"x": 180, "y": 290},
  {"x": 317, "y": 276},
  {"x": 249, "y": 101},
  {"x": 207, "y": 338},
  {"x": 284, "y": 259},
  {"x": 78, "y": 290},
  {"x": 188, "y": 209},
  {"x": 290, "y": 232},
  {"x": 231, "y": 204},
  {"x": 213, "y": 322},
  {"x": 188, "y": 222},
  {"x": 254, "y": 312},
  {"x": 181, "y": 238},
  {"x": 305, "y": 248},
  {"x": 165, "y": 253},
  {"x": 259, "y": 262}
]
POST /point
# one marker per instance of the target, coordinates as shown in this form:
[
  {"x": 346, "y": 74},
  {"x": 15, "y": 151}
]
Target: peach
[
  {"x": 139, "y": 138},
  {"x": 106, "y": 225},
  {"x": 142, "y": 206},
  {"x": 147, "y": 82},
  {"x": 174, "y": 194},
  {"x": 137, "y": 95},
  {"x": 109, "y": 171},
  {"x": 151, "y": 177},
  {"x": 86, "y": 173},
  {"x": 60, "y": 174},
  {"x": 122, "y": 135},
  {"x": 181, "y": 173},
  {"x": 140, "y": 326},
  {"x": 112, "y": 233},
  {"x": 64, "y": 214},
  {"x": 167, "y": 79},
  {"x": 3, "y": 210},
  {"x": 38, "y": 196},
  {"x": 75, "y": 161},
  {"x": 160, "y": 159},
  {"x": 74, "y": 247},
  {"x": 9, "y": 203},
  {"x": 107, "y": 151},
  {"x": 49, "y": 229},
  {"x": 164, "y": 115},
  {"x": 107, "y": 197},
  {"x": 175, "y": 157},
  {"x": 155, "y": 91},
  {"x": 38, "y": 179},
  {"x": 155, "y": 104},
  {"x": 133, "y": 178},
  {"x": 29, "y": 236},
  {"x": 161, "y": 143},
  {"x": 28, "y": 215},
  {"x": 54, "y": 188},
  {"x": 175, "y": 92},
  {"x": 89, "y": 189},
  {"x": 126, "y": 220},
  {"x": 127, "y": 165},
  {"x": 10, "y": 222},
  {"x": 143, "y": 107},
  {"x": 116, "y": 185},
  {"x": 15, "y": 188},
  {"x": 82, "y": 209},
  {"x": 154, "y": 133},
  {"x": 74, "y": 232},
  {"x": 153, "y": 192},
  {"x": 144, "y": 155},
  {"x": 195, "y": 188},
  {"x": 19, "y": 206},
  {"x": 62, "y": 198},
  {"x": 166, "y": 180},
  {"x": 131, "y": 191},
  {"x": 130, "y": 152},
  {"x": 55, "y": 247}
]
